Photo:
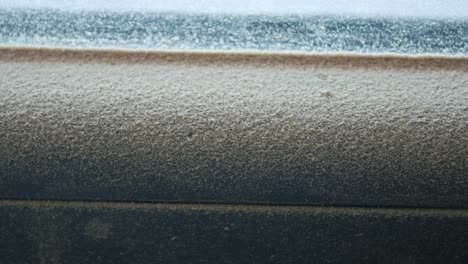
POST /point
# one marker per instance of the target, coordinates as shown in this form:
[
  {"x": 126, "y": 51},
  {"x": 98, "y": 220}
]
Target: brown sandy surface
[{"x": 315, "y": 129}]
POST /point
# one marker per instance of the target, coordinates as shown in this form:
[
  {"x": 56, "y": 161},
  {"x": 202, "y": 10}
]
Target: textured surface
[
  {"x": 359, "y": 131},
  {"x": 56, "y": 232},
  {"x": 236, "y": 129},
  {"x": 279, "y": 33}
]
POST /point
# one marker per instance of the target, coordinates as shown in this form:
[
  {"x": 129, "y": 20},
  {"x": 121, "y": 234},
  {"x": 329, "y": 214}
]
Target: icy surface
[
  {"x": 218, "y": 32},
  {"x": 394, "y": 8}
]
